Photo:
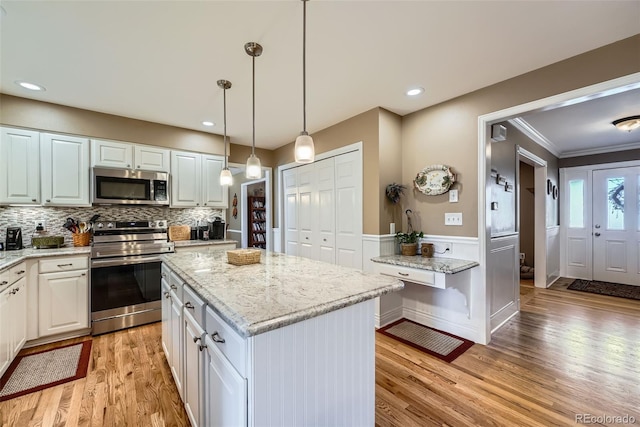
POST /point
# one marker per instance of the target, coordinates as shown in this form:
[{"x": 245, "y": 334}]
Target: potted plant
[{"x": 409, "y": 242}]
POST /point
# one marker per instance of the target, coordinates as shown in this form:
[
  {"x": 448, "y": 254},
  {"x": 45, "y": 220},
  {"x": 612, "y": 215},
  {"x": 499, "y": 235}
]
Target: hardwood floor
[
  {"x": 566, "y": 353},
  {"x": 128, "y": 384}
]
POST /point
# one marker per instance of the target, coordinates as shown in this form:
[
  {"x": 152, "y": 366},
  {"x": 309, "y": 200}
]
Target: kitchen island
[{"x": 289, "y": 341}]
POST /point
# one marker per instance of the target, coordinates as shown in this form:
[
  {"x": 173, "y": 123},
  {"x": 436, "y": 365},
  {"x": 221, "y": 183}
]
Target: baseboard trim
[
  {"x": 60, "y": 337},
  {"x": 463, "y": 330},
  {"x": 390, "y": 316}
]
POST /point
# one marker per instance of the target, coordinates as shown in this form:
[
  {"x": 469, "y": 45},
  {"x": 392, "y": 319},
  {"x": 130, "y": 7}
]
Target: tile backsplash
[{"x": 25, "y": 217}]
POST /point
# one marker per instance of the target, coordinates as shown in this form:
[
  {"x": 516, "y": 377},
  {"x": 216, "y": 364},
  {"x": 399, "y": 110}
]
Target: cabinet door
[
  {"x": 166, "y": 319},
  {"x": 111, "y": 154},
  {"x": 65, "y": 170},
  {"x": 185, "y": 179},
  {"x": 213, "y": 194},
  {"x": 19, "y": 318},
  {"x": 193, "y": 369},
  {"x": 225, "y": 391},
  {"x": 63, "y": 303},
  {"x": 19, "y": 166},
  {"x": 151, "y": 158},
  {"x": 176, "y": 333},
  {"x": 5, "y": 329}
]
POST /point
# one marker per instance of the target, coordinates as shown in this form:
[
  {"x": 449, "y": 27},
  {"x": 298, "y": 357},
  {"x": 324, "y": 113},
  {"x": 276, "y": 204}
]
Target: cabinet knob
[
  {"x": 197, "y": 204},
  {"x": 138, "y": 166},
  {"x": 205, "y": 204},
  {"x": 33, "y": 200},
  {"x": 128, "y": 165},
  {"x": 217, "y": 338},
  {"x": 167, "y": 294},
  {"x": 307, "y": 238},
  {"x": 48, "y": 200}
]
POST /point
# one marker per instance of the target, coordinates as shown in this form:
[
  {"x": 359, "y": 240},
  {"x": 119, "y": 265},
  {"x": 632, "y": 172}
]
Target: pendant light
[
  {"x": 253, "y": 168},
  {"x": 304, "y": 149},
  {"x": 225, "y": 174}
]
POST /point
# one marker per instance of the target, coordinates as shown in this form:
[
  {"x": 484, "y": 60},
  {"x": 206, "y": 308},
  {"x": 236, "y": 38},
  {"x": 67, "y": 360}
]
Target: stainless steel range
[{"x": 125, "y": 273}]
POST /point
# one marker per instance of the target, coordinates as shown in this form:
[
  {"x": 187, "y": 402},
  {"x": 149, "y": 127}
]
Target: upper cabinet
[
  {"x": 195, "y": 180},
  {"x": 124, "y": 155},
  {"x": 65, "y": 170},
  {"x": 19, "y": 166}
]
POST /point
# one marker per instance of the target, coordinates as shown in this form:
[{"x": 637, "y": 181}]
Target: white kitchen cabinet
[
  {"x": 195, "y": 180},
  {"x": 194, "y": 360},
  {"x": 124, "y": 155},
  {"x": 19, "y": 166},
  {"x": 166, "y": 313},
  {"x": 13, "y": 314},
  {"x": 65, "y": 170},
  {"x": 225, "y": 390},
  {"x": 176, "y": 331},
  {"x": 63, "y": 298}
]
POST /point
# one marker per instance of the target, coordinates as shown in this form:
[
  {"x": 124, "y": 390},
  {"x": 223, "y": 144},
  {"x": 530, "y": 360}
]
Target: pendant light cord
[
  {"x": 304, "y": 66},
  {"x": 253, "y": 61},
  {"x": 224, "y": 98}
]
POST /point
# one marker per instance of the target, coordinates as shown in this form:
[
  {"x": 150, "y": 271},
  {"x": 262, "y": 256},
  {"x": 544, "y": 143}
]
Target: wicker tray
[
  {"x": 244, "y": 256},
  {"x": 179, "y": 232}
]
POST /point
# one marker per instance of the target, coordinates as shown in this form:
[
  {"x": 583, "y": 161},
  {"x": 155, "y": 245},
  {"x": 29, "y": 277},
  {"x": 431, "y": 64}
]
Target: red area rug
[
  {"x": 34, "y": 372},
  {"x": 440, "y": 344}
]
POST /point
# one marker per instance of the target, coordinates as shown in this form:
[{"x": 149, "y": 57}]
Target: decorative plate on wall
[{"x": 434, "y": 180}]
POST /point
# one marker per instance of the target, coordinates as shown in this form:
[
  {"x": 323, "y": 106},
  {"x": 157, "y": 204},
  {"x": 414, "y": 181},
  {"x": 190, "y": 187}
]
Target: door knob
[{"x": 597, "y": 234}]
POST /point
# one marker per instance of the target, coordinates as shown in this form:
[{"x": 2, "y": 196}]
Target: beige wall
[
  {"x": 240, "y": 153},
  {"x": 448, "y": 133},
  {"x": 390, "y": 169},
  {"x": 27, "y": 113}
]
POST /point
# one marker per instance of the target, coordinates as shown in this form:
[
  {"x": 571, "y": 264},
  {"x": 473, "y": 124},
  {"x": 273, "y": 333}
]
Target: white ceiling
[{"x": 159, "y": 61}]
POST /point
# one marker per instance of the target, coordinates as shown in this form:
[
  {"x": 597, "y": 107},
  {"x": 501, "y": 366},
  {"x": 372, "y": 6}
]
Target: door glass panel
[
  {"x": 576, "y": 203},
  {"x": 615, "y": 203}
]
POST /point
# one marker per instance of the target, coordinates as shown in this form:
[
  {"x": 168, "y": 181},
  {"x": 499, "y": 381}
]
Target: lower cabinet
[
  {"x": 63, "y": 302},
  {"x": 176, "y": 332},
  {"x": 193, "y": 369},
  {"x": 13, "y": 321}
]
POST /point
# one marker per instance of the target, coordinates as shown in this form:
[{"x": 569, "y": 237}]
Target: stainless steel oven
[{"x": 125, "y": 273}]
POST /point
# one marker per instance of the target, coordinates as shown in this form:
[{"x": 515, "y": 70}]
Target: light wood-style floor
[{"x": 566, "y": 353}]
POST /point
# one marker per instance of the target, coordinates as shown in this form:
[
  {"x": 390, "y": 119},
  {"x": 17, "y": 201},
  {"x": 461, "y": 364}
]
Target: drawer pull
[
  {"x": 15, "y": 291},
  {"x": 163, "y": 275},
  {"x": 196, "y": 339},
  {"x": 174, "y": 287},
  {"x": 20, "y": 272},
  {"x": 65, "y": 265},
  {"x": 167, "y": 295},
  {"x": 202, "y": 347},
  {"x": 216, "y": 337},
  {"x": 4, "y": 282},
  {"x": 189, "y": 305},
  {"x": 403, "y": 274}
]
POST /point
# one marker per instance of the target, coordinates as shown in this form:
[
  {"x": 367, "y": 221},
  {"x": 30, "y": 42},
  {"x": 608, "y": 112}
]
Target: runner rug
[
  {"x": 34, "y": 372},
  {"x": 606, "y": 288},
  {"x": 443, "y": 345}
]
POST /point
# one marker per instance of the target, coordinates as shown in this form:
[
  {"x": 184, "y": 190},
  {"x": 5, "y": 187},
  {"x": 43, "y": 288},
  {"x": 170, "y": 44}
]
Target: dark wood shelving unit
[{"x": 257, "y": 222}]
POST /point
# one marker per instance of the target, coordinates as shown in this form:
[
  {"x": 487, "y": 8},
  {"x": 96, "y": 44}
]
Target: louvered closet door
[
  {"x": 290, "y": 211},
  {"x": 348, "y": 178},
  {"x": 307, "y": 212},
  {"x": 326, "y": 206}
]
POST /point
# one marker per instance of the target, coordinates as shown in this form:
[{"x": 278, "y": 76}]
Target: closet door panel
[
  {"x": 290, "y": 210},
  {"x": 348, "y": 183},
  {"x": 307, "y": 212},
  {"x": 325, "y": 174}
]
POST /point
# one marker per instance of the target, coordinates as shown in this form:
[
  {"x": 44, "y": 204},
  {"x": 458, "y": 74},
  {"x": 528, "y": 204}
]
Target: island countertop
[
  {"x": 439, "y": 265},
  {"x": 279, "y": 291}
]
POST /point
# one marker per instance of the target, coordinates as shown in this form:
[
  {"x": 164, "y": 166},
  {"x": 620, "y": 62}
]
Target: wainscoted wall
[{"x": 26, "y": 217}]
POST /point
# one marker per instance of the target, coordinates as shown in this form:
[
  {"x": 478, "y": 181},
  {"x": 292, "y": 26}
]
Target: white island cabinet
[
  {"x": 13, "y": 314},
  {"x": 289, "y": 341}
]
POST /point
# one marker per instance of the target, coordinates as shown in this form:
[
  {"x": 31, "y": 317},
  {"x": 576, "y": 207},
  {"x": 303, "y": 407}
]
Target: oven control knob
[
  {"x": 110, "y": 225},
  {"x": 99, "y": 225}
]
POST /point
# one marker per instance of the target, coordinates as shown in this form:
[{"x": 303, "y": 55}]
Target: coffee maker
[
  {"x": 216, "y": 229},
  {"x": 13, "y": 240}
]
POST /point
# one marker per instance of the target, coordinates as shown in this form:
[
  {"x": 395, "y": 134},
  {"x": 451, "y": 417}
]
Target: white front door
[{"x": 616, "y": 225}]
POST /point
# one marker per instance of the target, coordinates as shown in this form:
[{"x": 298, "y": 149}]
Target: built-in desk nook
[{"x": 438, "y": 293}]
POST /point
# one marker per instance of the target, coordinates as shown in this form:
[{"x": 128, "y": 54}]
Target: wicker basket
[
  {"x": 244, "y": 256},
  {"x": 81, "y": 239}
]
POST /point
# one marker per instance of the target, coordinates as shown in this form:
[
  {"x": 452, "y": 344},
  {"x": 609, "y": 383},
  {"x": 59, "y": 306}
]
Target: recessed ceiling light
[
  {"x": 208, "y": 123},
  {"x": 415, "y": 91},
  {"x": 30, "y": 86}
]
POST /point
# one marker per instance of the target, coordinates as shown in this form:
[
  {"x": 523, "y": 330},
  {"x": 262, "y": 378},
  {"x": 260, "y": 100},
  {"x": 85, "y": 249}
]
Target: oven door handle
[{"x": 113, "y": 262}]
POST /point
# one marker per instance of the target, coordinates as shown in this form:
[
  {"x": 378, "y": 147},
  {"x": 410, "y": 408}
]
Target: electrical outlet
[
  {"x": 453, "y": 196},
  {"x": 442, "y": 248},
  {"x": 42, "y": 222},
  {"x": 453, "y": 218}
]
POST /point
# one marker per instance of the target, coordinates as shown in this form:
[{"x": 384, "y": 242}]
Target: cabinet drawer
[
  {"x": 56, "y": 265},
  {"x": 234, "y": 346},
  {"x": 175, "y": 283},
  {"x": 414, "y": 275},
  {"x": 17, "y": 272},
  {"x": 194, "y": 305},
  {"x": 4, "y": 279}
]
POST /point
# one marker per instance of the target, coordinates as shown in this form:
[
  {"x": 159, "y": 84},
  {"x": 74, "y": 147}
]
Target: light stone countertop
[
  {"x": 10, "y": 258},
  {"x": 439, "y": 265},
  {"x": 212, "y": 242},
  {"x": 279, "y": 291}
]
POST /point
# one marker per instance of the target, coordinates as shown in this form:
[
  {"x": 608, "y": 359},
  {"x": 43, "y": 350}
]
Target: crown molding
[{"x": 524, "y": 127}]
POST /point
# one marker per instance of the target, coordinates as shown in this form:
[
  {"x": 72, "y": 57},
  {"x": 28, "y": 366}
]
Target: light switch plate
[
  {"x": 453, "y": 218},
  {"x": 453, "y": 196}
]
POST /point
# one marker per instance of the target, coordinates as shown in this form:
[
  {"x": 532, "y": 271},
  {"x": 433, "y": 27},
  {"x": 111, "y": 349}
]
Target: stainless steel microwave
[{"x": 129, "y": 187}]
